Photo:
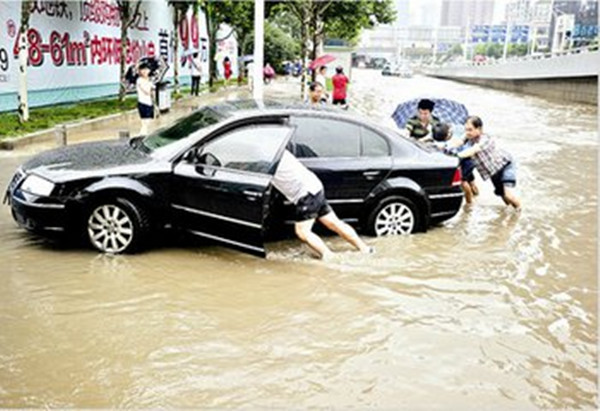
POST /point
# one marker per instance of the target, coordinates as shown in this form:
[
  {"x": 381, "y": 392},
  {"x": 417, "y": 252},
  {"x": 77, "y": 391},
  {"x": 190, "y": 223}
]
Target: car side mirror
[
  {"x": 191, "y": 156},
  {"x": 204, "y": 160}
]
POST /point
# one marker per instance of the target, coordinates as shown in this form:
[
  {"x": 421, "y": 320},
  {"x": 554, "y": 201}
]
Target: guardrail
[{"x": 529, "y": 57}]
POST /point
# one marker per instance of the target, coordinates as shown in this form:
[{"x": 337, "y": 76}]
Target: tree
[
  {"x": 347, "y": 19},
  {"x": 128, "y": 11},
  {"x": 343, "y": 19},
  {"x": 279, "y": 46},
  {"x": 216, "y": 13},
  {"x": 517, "y": 50},
  {"x": 456, "y": 50},
  {"x": 23, "y": 108}
]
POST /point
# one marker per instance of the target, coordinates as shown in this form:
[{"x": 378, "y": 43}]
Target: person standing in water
[{"x": 491, "y": 162}]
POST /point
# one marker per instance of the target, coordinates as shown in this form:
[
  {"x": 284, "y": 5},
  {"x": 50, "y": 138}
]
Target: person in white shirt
[
  {"x": 304, "y": 189},
  {"x": 196, "y": 73},
  {"x": 322, "y": 79},
  {"x": 144, "y": 89}
]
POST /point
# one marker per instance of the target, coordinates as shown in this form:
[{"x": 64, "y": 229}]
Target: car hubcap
[
  {"x": 110, "y": 229},
  {"x": 394, "y": 219}
]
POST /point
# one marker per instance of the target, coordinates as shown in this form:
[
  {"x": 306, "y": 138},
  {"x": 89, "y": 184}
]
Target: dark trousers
[{"x": 195, "y": 85}]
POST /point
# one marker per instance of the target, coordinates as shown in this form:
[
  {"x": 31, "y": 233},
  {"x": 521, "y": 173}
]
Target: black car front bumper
[{"x": 37, "y": 214}]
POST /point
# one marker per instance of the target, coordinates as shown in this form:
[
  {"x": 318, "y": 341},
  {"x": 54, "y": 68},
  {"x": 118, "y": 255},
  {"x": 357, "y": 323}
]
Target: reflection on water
[{"x": 492, "y": 307}]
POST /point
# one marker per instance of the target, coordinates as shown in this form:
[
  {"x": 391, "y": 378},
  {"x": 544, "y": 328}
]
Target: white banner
[{"x": 75, "y": 45}]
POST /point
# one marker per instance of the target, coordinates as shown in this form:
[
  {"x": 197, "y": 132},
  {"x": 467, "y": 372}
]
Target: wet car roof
[{"x": 238, "y": 109}]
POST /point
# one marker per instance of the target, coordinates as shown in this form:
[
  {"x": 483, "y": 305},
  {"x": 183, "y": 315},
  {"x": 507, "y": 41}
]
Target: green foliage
[
  {"x": 496, "y": 50},
  {"x": 48, "y": 117},
  {"x": 279, "y": 46},
  {"x": 346, "y": 19},
  {"x": 342, "y": 19},
  {"x": 517, "y": 50},
  {"x": 456, "y": 50},
  {"x": 283, "y": 18}
]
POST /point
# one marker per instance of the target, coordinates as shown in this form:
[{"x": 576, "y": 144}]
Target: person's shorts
[
  {"x": 341, "y": 101},
  {"x": 506, "y": 177},
  {"x": 145, "y": 110},
  {"x": 312, "y": 206},
  {"x": 466, "y": 169}
]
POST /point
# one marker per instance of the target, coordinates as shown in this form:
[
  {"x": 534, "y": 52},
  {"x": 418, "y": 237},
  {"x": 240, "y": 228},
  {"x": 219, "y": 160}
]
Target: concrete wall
[
  {"x": 566, "y": 78},
  {"x": 568, "y": 90},
  {"x": 582, "y": 64}
]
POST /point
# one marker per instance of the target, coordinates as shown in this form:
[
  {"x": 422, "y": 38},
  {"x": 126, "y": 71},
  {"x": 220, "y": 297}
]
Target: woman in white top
[
  {"x": 304, "y": 189},
  {"x": 196, "y": 72},
  {"x": 322, "y": 79},
  {"x": 144, "y": 89}
]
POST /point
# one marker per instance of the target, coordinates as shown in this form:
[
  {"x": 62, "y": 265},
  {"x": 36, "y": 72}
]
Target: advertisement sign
[
  {"x": 74, "y": 47},
  {"x": 497, "y": 34}
]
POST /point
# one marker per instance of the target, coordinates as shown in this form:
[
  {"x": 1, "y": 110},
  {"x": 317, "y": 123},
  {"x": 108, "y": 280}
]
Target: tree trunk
[
  {"x": 122, "y": 60},
  {"x": 176, "y": 51},
  {"x": 242, "y": 41},
  {"x": 212, "y": 46},
  {"x": 23, "y": 108}
]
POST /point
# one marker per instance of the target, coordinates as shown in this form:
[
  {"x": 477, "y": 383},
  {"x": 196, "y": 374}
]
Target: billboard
[
  {"x": 498, "y": 33},
  {"x": 74, "y": 47}
]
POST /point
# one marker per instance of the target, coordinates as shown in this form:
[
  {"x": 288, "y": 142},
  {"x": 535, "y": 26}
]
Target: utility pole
[{"x": 259, "y": 40}]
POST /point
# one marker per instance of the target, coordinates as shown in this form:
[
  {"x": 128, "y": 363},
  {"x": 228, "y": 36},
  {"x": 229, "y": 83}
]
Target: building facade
[{"x": 463, "y": 13}]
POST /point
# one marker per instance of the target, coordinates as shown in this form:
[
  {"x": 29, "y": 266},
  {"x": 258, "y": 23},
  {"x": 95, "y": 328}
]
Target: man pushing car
[{"x": 304, "y": 189}]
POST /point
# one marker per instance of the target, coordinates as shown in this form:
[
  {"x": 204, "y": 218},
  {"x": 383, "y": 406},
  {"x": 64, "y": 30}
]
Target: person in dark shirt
[{"x": 420, "y": 126}]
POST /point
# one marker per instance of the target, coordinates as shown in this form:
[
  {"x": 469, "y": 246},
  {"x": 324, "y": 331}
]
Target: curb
[{"x": 48, "y": 135}]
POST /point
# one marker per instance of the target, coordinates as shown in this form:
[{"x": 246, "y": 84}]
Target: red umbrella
[{"x": 321, "y": 61}]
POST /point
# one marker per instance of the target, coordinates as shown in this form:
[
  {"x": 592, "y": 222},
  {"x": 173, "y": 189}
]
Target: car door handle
[
  {"x": 371, "y": 174},
  {"x": 252, "y": 195}
]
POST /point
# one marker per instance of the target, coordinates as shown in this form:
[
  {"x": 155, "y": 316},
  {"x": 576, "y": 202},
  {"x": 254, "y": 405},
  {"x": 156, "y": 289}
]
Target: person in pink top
[{"x": 340, "y": 84}]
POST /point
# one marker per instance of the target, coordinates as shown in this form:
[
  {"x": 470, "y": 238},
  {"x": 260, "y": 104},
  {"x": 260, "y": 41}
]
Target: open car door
[{"x": 221, "y": 188}]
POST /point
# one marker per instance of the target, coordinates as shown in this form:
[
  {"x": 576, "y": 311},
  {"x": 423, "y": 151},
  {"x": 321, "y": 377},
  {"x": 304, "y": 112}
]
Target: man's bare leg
[
  {"x": 332, "y": 222},
  {"x": 305, "y": 233},
  {"x": 510, "y": 198},
  {"x": 466, "y": 187}
]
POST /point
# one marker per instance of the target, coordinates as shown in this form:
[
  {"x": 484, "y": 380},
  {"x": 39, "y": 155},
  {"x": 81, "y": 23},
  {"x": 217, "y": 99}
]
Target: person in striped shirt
[{"x": 490, "y": 161}]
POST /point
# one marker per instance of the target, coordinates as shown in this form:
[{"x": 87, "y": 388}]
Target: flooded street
[{"x": 491, "y": 310}]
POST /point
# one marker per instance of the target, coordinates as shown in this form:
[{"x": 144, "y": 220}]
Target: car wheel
[
  {"x": 116, "y": 226},
  {"x": 393, "y": 216}
]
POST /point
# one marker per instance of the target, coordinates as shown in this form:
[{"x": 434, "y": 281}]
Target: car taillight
[{"x": 456, "y": 180}]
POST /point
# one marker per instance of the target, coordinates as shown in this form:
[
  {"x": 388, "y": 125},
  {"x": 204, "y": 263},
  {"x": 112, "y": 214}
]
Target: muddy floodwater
[{"x": 490, "y": 310}]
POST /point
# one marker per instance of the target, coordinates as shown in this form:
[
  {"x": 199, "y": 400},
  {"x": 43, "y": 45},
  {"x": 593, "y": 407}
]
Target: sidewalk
[{"x": 106, "y": 128}]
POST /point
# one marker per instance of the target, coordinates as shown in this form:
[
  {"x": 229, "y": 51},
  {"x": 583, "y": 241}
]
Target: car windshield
[{"x": 186, "y": 127}]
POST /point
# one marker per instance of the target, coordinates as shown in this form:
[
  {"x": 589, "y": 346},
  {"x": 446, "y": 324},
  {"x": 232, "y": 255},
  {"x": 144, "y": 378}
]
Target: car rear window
[{"x": 323, "y": 137}]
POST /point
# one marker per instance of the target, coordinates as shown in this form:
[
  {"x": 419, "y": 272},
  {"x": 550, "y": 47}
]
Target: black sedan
[{"x": 209, "y": 174}]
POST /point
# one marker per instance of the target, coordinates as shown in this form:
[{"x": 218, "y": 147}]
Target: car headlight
[{"x": 37, "y": 185}]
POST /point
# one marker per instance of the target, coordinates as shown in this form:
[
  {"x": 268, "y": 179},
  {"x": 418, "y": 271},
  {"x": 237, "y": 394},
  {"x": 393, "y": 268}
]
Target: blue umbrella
[{"x": 448, "y": 111}]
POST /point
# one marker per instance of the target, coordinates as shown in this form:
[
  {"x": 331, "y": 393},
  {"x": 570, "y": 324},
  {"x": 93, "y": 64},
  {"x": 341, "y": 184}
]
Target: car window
[
  {"x": 249, "y": 148},
  {"x": 373, "y": 144},
  {"x": 321, "y": 137},
  {"x": 189, "y": 125}
]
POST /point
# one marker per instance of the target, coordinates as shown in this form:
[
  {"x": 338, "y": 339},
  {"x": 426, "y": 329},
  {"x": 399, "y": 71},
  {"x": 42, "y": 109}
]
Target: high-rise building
[
  {"x": 402, "y": 13},
  {"x": 467, "y": 12},
  {"x": 425, "y": 13}
]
